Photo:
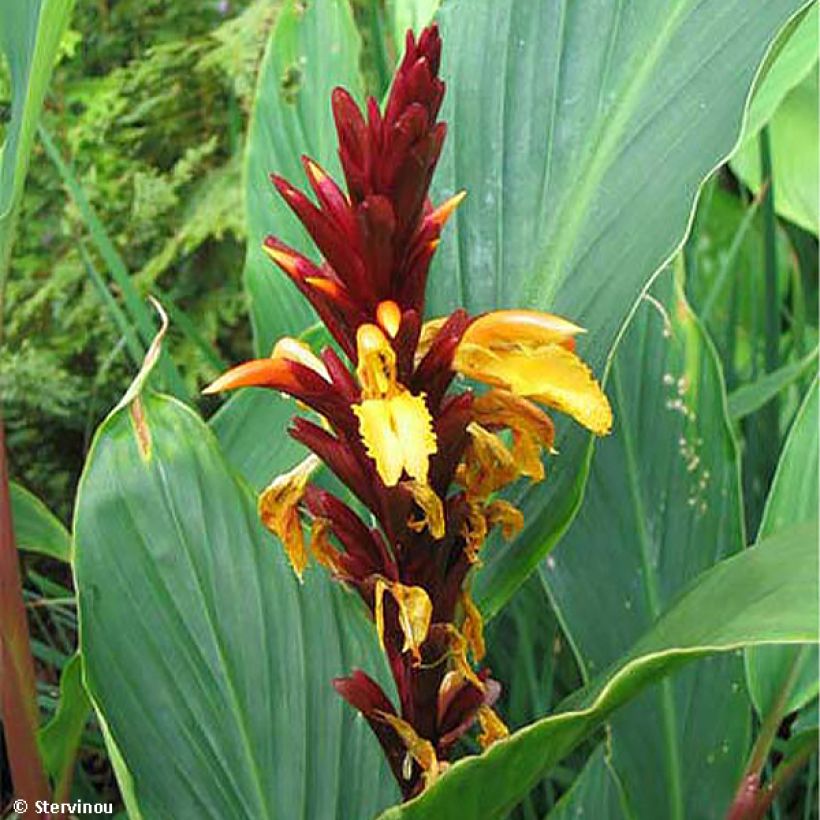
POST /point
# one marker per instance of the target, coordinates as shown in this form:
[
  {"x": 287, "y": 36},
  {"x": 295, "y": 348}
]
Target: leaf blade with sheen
[
  {"x": 727, "y": 608},
  {"x": 229, "y": 660}
]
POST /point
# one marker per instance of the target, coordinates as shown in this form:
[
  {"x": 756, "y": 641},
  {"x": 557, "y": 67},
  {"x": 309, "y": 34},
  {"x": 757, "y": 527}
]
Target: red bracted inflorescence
[{"x": 423, "y": 460}]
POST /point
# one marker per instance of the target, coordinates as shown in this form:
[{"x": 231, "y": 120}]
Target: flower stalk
[{"x": 424, "y": 456}]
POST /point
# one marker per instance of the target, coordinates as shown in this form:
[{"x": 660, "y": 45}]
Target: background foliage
[{"x": 136, "y": 186}]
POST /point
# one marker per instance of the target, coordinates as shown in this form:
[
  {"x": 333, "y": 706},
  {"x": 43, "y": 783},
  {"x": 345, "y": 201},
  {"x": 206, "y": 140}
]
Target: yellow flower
[
  {"x": 279, "y": 510},
  {"x": 532, "y": 354},
  {"x": 395, "y": 426}
]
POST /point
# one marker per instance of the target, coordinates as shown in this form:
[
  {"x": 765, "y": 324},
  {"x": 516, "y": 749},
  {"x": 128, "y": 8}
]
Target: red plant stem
[
  {"x": 747, "y": 795},
  {"x": 18, "y": 699},
  {"x": 785, "y": 772}
]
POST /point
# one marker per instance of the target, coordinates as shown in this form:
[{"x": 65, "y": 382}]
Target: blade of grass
[
  {"x": 183, "y": 323},
  {"x": 132, "y": 342},
  {"x": 751, "y": 397},
  {"x": 135, "y": 306},
  {"x": 731, "y": 257}
]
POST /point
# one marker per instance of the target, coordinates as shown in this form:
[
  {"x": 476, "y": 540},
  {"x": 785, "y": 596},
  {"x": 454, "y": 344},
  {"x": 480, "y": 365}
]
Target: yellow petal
[
  {"x": 492, "y": 727},
  {"x": 458, "y": 654},
  {"x": 520, "y": 328},
  {"x": 294, "y": 350},
  {"x": 430, "y": 505},
  {"x": 474, "y": 531},
  {"x": 550, "y": 374},
  {"x": 421, "y": 750},
  {"x": 415, "y": 612},
  {"x": 398, "y": 435},
  {"x": 279, "y": 510},
  {"x": 509, "y": 518},
  {"x": 376, "y": 369},
  {"x": 500, "y": 408},
  {"x": 487, "y": 465},
  {"x": 527, "y": 454},
  {"x": 473, "y": 626},
  {"x": 429, "y": 331}
]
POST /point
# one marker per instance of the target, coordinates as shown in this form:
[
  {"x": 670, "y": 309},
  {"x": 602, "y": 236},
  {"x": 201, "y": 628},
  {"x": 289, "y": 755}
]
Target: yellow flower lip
[
  {"x": 532, "y": 354},
  {"x": 502, "y": 328}
]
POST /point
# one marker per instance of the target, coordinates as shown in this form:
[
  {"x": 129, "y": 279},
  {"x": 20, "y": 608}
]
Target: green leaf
[
  {"x": 751, "y": 397},
  {"x": 582, "y": 133},
  {"x": 228, "y": 661},
  {"x": 792, "y": 500},
  {"x": 36, "y": 528},
  {"x": 313, "y": 48},
  {"x": 795, "y": 168},
  {"x": 409, "y": 14},
  {"x": 792, "y": 58},
  {"x": 726, "y": 608},
  {"x": 596, "y": 793},
  {"x": 662, "y": 505},
  {"x": 30, "y": 33},
  {"x": 60, "y": 738}
]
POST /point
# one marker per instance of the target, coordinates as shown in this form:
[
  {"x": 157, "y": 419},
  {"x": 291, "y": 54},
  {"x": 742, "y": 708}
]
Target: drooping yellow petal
[
  {"x": 430, "y": 505},
  {"x": 458, "y": 654},
  {"x": 420, "y": 749},
  {"x": 415, "y": 613},
  {"x": 473, "y": 626},
  {"x": 294, "y": 350},
  {"x": 279, "y": 510},
  {"x": 493, "y": 728},
  {"x": 532, "y": 427},
  {"x": 509, "y": 518},
  {"x": 550, "y": 374},
  {"x": 474, "y": 531},
  {"x": 320, "y": 546},
  {"x": 376, "y": 369},
  {"x": 398, "y": 435},
  {"x": 487, "y": 465}
]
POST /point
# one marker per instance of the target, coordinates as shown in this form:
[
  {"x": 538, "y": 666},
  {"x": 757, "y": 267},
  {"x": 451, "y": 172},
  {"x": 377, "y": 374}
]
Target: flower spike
[{"x": 426, "y": 457}]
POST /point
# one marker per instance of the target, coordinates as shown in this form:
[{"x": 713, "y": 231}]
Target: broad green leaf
[
  {"x": 581, "y": 132},
  {"x": 59, "y": 739},
  {"x": 30, "y": 33},
  {"x": 36, "y": 528},
  {"x": 726, "y": 608},
  {"x": 794, "y": 137},
  {"x": 792, "y": 58},
  {"x": 252, "y": 431},
  {"x": 409, "y": 14},
  {"x": 751, "y": 397},
  {"x": 662, "y": 505},
  {"x": 596, "y": 792},
  {"x": 792, "y": 500},
  {"x": 226, "y": 671},
  {"x": 313, "y": 48}
]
